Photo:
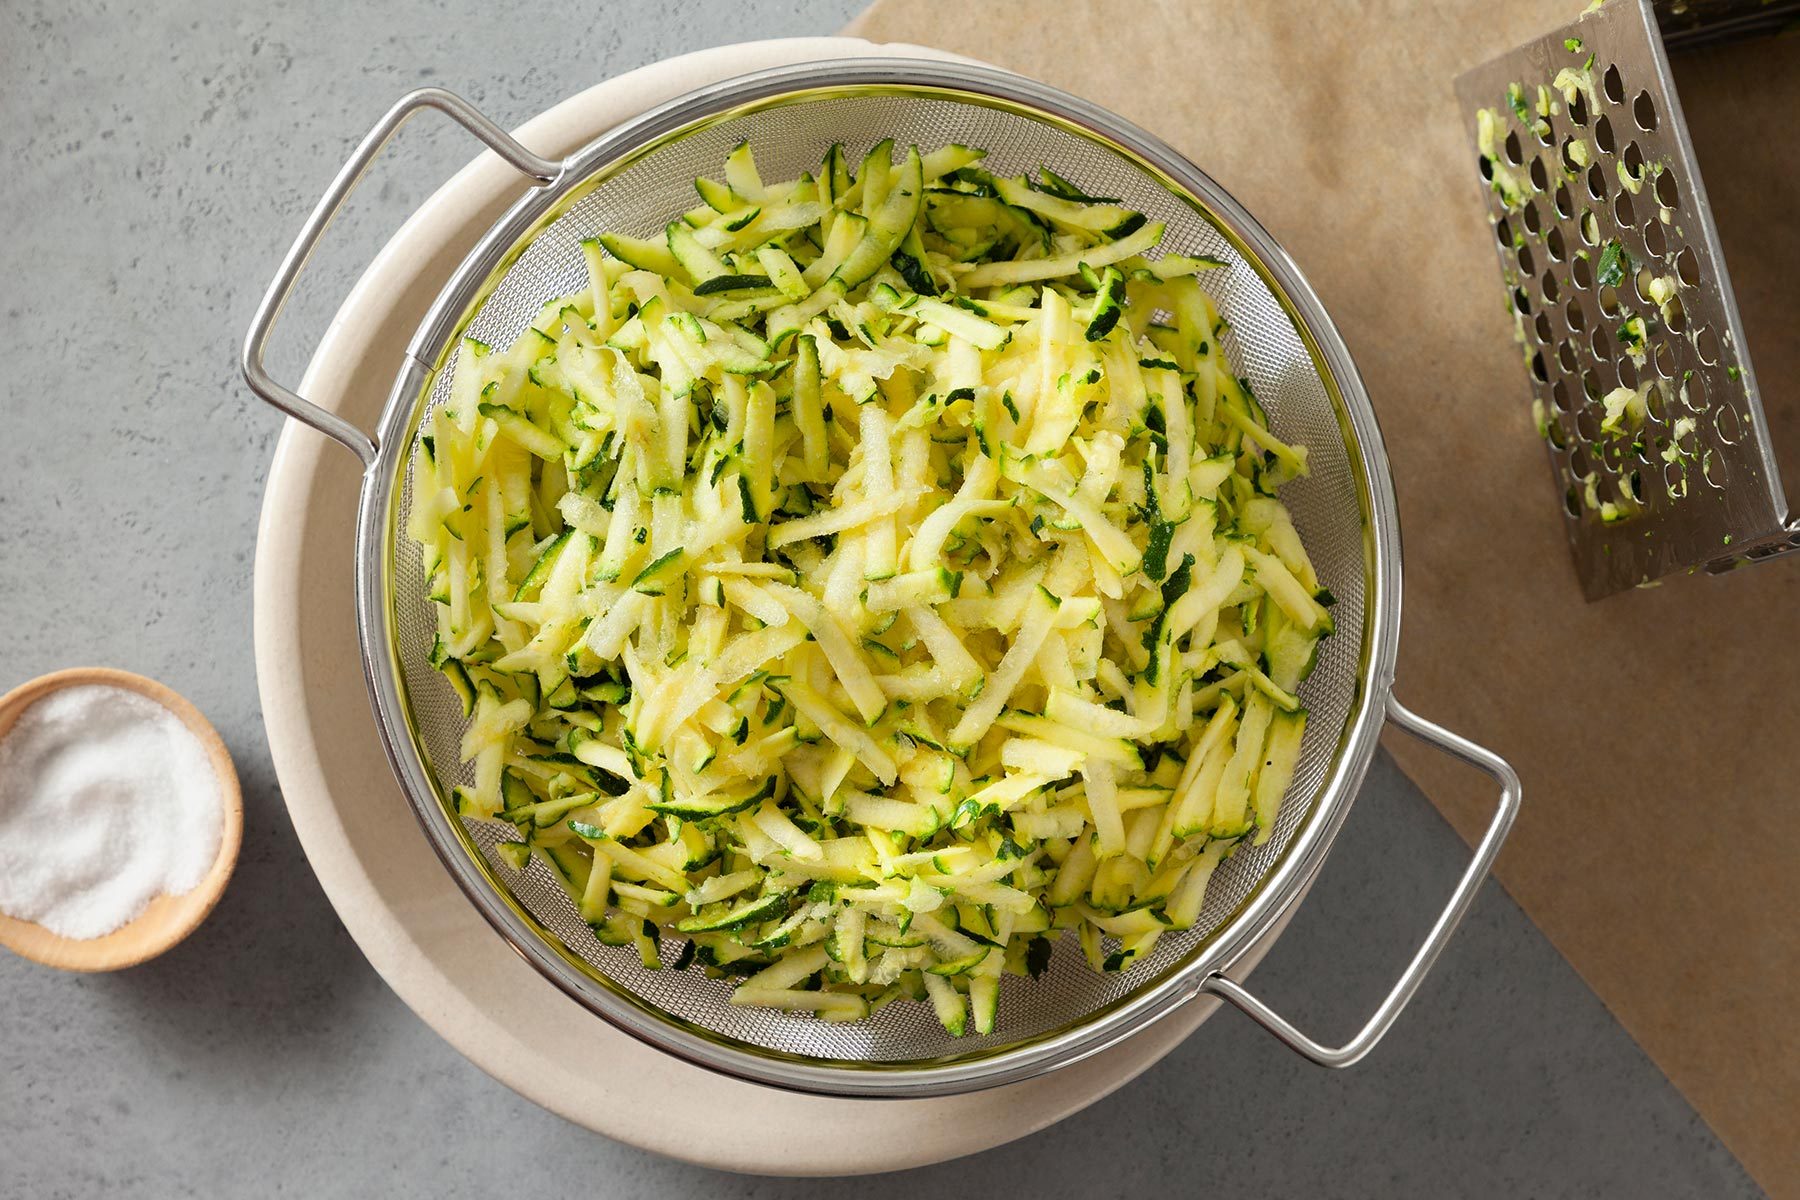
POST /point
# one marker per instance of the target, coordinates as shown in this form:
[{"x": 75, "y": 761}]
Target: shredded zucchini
[{"x": 861, "y": 584}]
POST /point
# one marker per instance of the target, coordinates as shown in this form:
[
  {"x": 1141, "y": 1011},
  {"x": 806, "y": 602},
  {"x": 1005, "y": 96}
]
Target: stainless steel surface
[
  {"x": 1388, "y": 1011},
  {"x": 632, "y": 179},
  {"x": 1696, "y": 482},
  {"x": 262, "y": 326}
]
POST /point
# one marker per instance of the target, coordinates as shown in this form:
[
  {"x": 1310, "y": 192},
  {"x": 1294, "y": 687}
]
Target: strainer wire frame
[{"x": 555, "y": 184}]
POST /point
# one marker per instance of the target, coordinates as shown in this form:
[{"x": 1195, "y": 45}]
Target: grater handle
[
  {"x": 1377, "y": 1025},
  {"x": 539, "y": 170}
]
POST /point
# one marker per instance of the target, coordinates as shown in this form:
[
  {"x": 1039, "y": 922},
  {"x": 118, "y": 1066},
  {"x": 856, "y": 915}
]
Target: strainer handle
[
  {"x": 539, "y": 170},
  {"x": 1377, "y": 1026}
]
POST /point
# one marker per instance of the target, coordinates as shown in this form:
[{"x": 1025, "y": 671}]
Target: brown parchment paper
[{"x": 1659, "y": 847}]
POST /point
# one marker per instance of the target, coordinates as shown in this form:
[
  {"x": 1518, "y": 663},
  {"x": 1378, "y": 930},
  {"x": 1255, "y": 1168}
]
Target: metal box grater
[{"x": 1641, "y": 379}]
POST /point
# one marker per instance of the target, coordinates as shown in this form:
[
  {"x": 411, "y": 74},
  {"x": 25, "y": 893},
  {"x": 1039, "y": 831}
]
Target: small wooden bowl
[{"x": 167, "y": 919}]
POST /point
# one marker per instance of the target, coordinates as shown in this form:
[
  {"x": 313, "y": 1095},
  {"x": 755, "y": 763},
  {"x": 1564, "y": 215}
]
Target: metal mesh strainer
[{"x": 633, "y": 180}]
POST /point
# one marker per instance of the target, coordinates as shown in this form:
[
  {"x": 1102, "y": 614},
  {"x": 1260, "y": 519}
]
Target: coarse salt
[{"x": 106, "y": 801}]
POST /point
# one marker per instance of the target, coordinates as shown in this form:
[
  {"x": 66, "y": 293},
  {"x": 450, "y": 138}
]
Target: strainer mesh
[{"x": 1327, "y": 506}]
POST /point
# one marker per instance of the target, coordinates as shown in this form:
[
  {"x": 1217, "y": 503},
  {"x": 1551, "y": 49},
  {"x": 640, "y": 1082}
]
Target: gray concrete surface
[{"x": 157, "y": 159}]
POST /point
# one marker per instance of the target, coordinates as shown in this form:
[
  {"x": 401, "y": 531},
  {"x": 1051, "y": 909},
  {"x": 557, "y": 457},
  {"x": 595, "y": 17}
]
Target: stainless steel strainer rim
[{"x": 384, "y": 459}]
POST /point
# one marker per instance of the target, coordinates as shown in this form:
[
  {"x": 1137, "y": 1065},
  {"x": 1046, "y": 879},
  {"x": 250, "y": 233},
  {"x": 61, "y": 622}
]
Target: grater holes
[
  {"x": 1640, "y": 283},
  {"x": 1572, "y": 500},
  {"x": 1485, "y": 165},
  {"x": 1601, "y": 344},
  {"x": 1590, "y": 228},
  {"x": 1534, "y": 223},
  {"x": 1527, "y": 263},
  {"x": 1596, "y": 182},
  {"x": 1675, "y": 479},
  {"x": 1540, "y": 177},
  {"x": 1624, "y": 210},
  {"x": 1687, "y": 438},
  {"x": 1575, "y": 316},
  {"x": 1687, "y": 267},
  {"x": 1656, "y": 401},
  {"x": 1545, "y": 129},
  {"x": 1581, "y": 463},
  {"x": 1565, "y": 354},
  {"x": 1554, "y": 246},
  {"x": 1609, "y": 300},
  {"x": 1627, "y": 372},
  {"x": 1587, "y": 424},
  {"x": 1706, "y": 345},
  {"x": 1578, "y": 109},
  {"x": 1712, "y": 469},
  {"x": 1603, "y": 136},
  {"x": 1565, "y": 207},
  {"x": 1654, "y": 242},
  {"x": 1663, "y": 355},
  {"x": 1550, "y": 288},
  {"x": 1613, "y": 85},
  {"x": 1557, "y": 435},
  {"x": 1571, "y": 159},
  {"x": 1521, "y": 302},
  {"x": 1559, "y": 391},
  {"x": 1631, "y": 485},
  {"x": 1727, "y": 424},
  {"x": 1581, "y": 271},
  {"x": 1542, "y": 325},
  {"x": 1590, "y": 386},
  {"x": 1633, "y": 163},
  {"x": 1674, "y": 315},
  {"x": 1503, "y": 233},
  {"x": 1643, "y": 110},
  {"x": 1538, "y": 370},
  {"x": 1668, "y": 193},
  {"x": 1694, "y": 392},
  {"x": 1515, "y": 154}
]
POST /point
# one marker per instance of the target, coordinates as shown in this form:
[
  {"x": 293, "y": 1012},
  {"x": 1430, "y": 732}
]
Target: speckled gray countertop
[{"x": 157, "y": 160}]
